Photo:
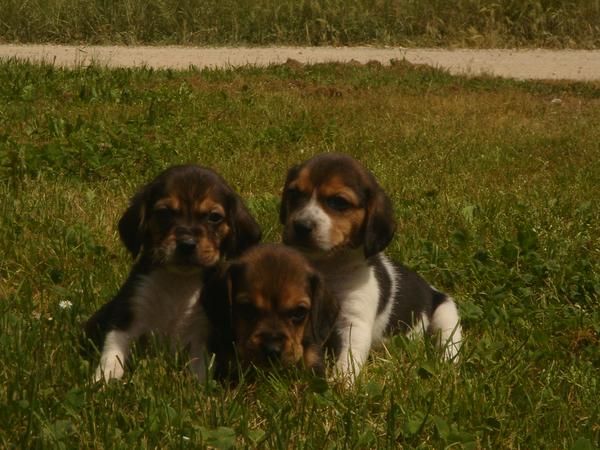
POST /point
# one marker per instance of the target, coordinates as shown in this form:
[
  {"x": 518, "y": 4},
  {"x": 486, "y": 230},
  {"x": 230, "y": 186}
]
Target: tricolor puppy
[
  {"x": 184, "y": 221},
  {"x": 276, "y": 313},
  {"x": 335, "y": 212}
]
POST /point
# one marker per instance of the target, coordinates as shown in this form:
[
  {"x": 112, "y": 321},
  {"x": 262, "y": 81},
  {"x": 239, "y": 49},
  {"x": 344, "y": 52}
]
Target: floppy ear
[
  {"x": 245, "y": 231},
  {"x": 380, "y": 224},
  {"x": 234, "y": 273},
  {"x": 324, "y": 310},
  {"x": 291, "y": 175},
  {"x": 132, "y": 222},
  {"x": 216, "y": 303},
  {"x": 217, "y": 293},
  {"x": 233, "y": 276}
]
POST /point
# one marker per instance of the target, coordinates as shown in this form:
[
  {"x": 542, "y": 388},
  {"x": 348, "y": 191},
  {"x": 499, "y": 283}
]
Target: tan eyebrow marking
[
  {"x": 302, "y": 182},
  {"x": 171, "y": 202},
  {"x": 337, "y": 186},
  {"x": 255, "y": 299},
  {"x": 209, "y": 205}
]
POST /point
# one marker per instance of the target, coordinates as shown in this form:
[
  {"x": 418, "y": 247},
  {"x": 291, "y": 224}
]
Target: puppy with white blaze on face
[
  {"x": 177, "y": 226},
  {"x": 335, "y": 212}
]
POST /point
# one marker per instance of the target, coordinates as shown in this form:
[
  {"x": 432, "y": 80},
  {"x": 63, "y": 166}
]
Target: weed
[
  {"x": 493, "y": 187},
  {"x": 465, "y": 23}
]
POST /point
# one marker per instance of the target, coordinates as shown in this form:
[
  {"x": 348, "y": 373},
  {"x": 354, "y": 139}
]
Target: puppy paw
[{"x": 110, "y": 369}]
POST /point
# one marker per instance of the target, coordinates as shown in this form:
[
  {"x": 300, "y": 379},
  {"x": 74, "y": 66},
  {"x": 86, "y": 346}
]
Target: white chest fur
[{"x": 354, "y": 283}]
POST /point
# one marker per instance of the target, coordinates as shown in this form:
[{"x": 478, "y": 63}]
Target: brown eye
[
  {"x": 248, "y": 311},
  {"x": 298, "y": 315},
  {"x": 215, "y": 218},
  {"x": 164, "y": 213},
  {"x": 293, "y": 193},
  {"x": 338, "y": 203}
]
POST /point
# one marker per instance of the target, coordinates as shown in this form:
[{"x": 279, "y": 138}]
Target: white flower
[{"x": 65, "y": 304}]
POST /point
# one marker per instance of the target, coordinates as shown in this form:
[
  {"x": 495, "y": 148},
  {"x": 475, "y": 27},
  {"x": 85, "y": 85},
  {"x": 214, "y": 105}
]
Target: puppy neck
[
  {"x": 180, "y": 277},
  {"x": 146, "y": 264},
  {"x": 183, "y": 271},
  {"x": 345, "y": 261}
]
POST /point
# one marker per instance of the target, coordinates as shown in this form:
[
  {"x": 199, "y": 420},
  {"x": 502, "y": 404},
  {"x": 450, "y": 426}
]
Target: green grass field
[
  {"x": 495, "y": 185},
  {"x": 464, "y": 23}
]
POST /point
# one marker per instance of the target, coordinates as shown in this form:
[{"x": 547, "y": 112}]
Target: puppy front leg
[
  {"x": 445, "y": 323},
  {"x": 198, "y": 358},
  {"x": 194, "y": 336},
  {"x": 355, "y": 344},
  {"x": 114, "y": 354}
]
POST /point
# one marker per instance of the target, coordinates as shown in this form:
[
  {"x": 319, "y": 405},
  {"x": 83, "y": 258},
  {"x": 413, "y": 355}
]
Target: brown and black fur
[
  {"x": 276, "y": 312},
  {"x": 335, "y": 212},
  {"x": 183, "y": 222}
]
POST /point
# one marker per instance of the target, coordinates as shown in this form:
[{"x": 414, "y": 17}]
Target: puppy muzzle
[
  {"x": 303, "y": 228},
  {"x": 186, "y": 246},
  {"x": 301, "y": 234},
  {"x": 272, "y": 346},
  {"x": 272, "y": 351}
]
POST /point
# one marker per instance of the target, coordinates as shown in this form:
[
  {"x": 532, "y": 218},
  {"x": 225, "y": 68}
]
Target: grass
[
  {"x": 463, "y": 23},
  {"x": 494, "y": 183}
]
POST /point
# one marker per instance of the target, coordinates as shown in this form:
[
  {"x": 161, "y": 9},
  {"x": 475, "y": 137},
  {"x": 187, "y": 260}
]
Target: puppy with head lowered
[
  {"x": 178, "y": 225},
  {"x": 335, "y": 212},
  {"x": 270, "y": 307}
]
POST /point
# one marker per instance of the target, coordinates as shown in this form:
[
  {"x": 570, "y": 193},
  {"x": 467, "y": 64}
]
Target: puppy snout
[
  {"x": 272, "y": 346},
  {"x": 303, "y": 227},
  {"x": 272, "y": 351},
  {"x": 186, "y": 245}
]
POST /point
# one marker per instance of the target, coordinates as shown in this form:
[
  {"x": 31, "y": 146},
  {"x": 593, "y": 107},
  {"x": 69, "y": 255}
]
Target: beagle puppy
[
  {"x": 335, "y": 212},
  {"x": 270, "y": 307},
  {"x": 178, "y": 225}
]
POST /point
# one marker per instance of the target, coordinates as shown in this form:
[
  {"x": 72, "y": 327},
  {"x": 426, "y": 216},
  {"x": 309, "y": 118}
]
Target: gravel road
[{"x": 538, "y": 64}]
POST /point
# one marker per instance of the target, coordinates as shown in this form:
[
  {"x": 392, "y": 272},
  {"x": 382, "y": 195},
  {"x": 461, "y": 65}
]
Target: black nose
[
  {"x": 303, "y": 228},
  {"x": 272, "y": 346},
  {"x": 272, "y": 351},
  {"x": 186, "y": 246}
]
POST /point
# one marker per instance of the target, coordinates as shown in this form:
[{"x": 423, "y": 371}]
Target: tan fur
[
  {"x": 275, "y": 283},
  {"x": 177, "y": 226}
]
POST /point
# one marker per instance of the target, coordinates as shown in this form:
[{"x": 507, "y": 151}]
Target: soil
[{"x": 583, "y": 65}]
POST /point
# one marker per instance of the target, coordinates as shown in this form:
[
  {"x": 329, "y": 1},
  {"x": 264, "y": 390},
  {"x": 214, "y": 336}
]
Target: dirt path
[{"x": 520, "y": 64}]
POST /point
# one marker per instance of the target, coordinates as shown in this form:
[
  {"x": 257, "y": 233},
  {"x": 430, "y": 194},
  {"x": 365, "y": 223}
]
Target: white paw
[
  {"x": 112, "y": 368},
  {"x": 346, "y": 370},
  {"x": 198, "y": 367}
]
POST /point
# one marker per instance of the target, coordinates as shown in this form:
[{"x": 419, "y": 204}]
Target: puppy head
[
  {"x": 275, "y": 299},
  {"x": 331, "y": 202},
  {"x": 187, "y": 218}
]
